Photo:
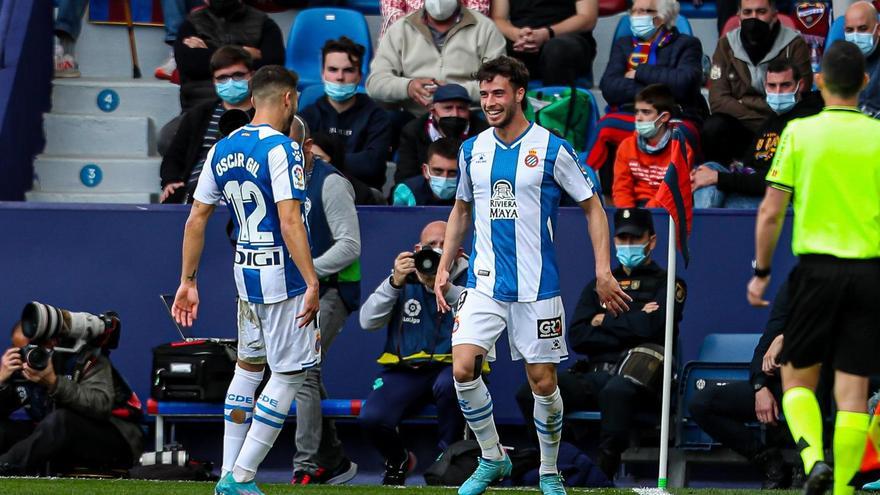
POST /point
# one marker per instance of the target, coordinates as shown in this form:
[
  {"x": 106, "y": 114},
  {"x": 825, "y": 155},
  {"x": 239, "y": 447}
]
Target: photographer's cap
[
  {"x": 633, "y": 221},
  {"x": 450, "y": 92}
]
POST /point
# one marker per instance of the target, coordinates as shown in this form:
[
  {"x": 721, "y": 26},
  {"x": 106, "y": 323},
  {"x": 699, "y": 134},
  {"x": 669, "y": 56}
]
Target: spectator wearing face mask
[
  {"x": 436, "y": 186},
  {"x": 739, "y": 69},
  {"x": 363, "y": 127},
  {"x": 232, "y": 67},
  {"x": 861, "y": 29},
  {"x": 742, "y": 184},
  {"x": 394, "y": 10},
  {"x": 450, "y": 116},
  {"x": 642, "y": 158}
]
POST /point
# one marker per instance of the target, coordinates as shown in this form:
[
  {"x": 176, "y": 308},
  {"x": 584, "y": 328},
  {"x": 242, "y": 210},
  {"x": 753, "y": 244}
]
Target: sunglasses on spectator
[{"x": 235, "y": 76}]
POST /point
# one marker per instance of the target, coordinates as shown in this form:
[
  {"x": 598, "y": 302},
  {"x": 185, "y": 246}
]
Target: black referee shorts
[{"x": 835, "y": 314}]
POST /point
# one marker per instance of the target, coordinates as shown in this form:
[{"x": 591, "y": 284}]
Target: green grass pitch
[{"x": 23, "y": 486}]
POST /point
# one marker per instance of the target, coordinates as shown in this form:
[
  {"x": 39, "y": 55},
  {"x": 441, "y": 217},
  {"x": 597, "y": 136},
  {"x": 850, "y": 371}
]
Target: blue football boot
[
  {"x": 228, "y": 486},
  {"x": 551, "y": 484},
  {"x": 487, "y": 472}
]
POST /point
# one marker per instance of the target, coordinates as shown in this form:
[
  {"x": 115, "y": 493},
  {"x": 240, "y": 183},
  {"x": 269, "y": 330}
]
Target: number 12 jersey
[{"x": 252, "y": 169}]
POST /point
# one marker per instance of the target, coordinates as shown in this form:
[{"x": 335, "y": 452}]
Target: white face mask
[{"x": 441, "y": 9}]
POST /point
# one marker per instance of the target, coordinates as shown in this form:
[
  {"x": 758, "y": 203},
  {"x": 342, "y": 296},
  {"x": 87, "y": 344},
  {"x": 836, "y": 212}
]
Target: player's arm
[
  {"x": 610, "y": 293},
  {"x": 186, "y": 301},
  {"x": 456, "y": 228}
]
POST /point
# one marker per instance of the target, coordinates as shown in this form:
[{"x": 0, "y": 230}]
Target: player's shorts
[
  {"x": 835, "y": 314},
  {"x": 270, "y": 333},
  {"x": 535, "y": 330}
]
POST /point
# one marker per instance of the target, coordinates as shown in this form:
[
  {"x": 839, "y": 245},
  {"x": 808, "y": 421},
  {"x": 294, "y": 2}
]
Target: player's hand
[
  {"x": 612, "y": 297},
  {"x": 186, "y": 304},
  {"x": 755, "y": 291},
  {"x": 168, "y": 190},
  {"x": 404, "y": 264},
  {"x": 419, "y": 93},
  {"x": 311, "y": 305},
  {"x": 769, "y": 364},
  {"x": 195, "y": 42},
  {"x": 766, "y": 408},
  {"x": 9, "y": 363},
  {"x": 441, "y": 285}
]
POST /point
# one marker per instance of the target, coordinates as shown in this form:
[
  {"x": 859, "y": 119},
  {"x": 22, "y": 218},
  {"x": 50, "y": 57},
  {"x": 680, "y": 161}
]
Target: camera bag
[{"x": 193, "y": 370}]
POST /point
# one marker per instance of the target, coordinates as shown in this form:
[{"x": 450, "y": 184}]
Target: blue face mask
[
  {"x": 865, "y": 41},
  {"x": 631, "y": 255},
  {"x": 443, "y": 188},
  {"x": 232, "y": 91},
  {"x": 782, "y": 102},
  {"x": 642, "y": 26},
  {"x": 339, "y": 91}
]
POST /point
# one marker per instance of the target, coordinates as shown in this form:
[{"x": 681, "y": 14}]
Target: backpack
[
  {"x": 459, "y": 461},
  {"x": 576, "y": 468},
  {"x": 563, "y": 114}
]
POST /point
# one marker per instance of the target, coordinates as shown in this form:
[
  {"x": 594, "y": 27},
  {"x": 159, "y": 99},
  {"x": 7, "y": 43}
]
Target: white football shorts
[{"x": 270, "y": 334}]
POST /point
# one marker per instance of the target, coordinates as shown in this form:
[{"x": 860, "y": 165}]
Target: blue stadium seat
[
  {"x": 623, "y": 29},
  {"x": 705, "y": 11},
  {"x": 366, "y": 7},
  {"x": 310, "y": 94},
  {"x": 723, "y": 357},
  {"x": 312, "y": 28},
  {"x": 593, "y": 118}
]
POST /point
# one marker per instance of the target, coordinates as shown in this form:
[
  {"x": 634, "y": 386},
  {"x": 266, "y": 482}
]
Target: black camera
[
  {"x": 427, "y": 260},
  {"x": 42, "y": 323},
  {"x": 35, "y": 356}
]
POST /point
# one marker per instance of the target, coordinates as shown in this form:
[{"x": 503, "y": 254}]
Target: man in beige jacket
[{"x": 439, "y": 43}]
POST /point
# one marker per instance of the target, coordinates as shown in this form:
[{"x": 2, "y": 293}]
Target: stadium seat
[
  {"x": 707, "y": 10},
  {"x": 611, "y": 7},
  {"x": 312, "y": 28},
  {"x": 366, "y": 7},
  {"x": 593, "y": 118},
  {"x": 623, "y": 29},
  {"x": 733, "y": 23},
  {"x": 722, "y": 357}
]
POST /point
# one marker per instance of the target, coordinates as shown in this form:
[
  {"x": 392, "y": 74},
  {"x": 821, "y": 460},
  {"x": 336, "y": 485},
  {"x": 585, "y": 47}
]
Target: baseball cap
[
  {"x": 633, "y": 221},
  {"x": 449, "y": 92}
]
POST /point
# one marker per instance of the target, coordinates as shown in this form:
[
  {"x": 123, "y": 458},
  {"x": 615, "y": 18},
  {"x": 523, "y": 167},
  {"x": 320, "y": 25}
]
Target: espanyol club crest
[{"x": 531, "y": 160}]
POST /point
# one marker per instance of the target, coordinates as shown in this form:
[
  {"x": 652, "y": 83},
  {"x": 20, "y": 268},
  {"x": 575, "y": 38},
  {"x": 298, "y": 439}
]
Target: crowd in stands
[{"x": 419, "y": 102}]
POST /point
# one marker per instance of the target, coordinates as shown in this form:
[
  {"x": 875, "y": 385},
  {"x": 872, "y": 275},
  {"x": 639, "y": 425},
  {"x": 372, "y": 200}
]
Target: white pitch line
[{"x": 650, "y": 491}]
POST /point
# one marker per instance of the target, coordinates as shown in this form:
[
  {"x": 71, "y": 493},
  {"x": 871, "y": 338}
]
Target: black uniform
[{"x": 590, "y": 384}]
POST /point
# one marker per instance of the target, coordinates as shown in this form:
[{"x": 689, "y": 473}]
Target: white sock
[
  {"x": 269, "y": 415},
  {"x": 237, "y": 413},
  {"x": 548, "y": 423},
  {"x": 476, "y": 406}
]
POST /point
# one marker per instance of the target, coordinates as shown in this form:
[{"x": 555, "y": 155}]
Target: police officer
[
  {"x": 417, "y": 357},
  {"x": 603, "y": 338}
]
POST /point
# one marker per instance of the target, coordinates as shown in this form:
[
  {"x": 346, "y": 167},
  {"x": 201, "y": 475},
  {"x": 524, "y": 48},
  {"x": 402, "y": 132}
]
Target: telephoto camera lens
[
  {"x": 427, "y": 259},
  {"x": 41, "y": 322}
]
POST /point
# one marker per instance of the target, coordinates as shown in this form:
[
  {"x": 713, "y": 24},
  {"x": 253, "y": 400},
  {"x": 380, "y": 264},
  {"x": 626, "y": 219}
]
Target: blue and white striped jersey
[
  {"x": 252, "y": 169},
  {"x": 515, "y": 191}
]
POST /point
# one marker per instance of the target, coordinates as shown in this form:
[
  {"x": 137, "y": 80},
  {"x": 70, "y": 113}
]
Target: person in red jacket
[{"x": 642, "y": 159}]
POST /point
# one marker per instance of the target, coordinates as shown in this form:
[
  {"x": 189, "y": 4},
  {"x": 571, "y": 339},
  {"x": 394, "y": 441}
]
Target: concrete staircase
[{"x": 101, "y": 141}]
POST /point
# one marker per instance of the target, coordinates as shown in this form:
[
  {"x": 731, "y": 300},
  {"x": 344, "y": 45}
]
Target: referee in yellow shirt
[{"x": 831, "y": 163}]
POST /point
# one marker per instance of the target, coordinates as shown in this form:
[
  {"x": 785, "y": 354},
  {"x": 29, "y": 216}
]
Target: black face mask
[
  {"x": 454, "y": 127},
  {"x": 225, "y": 8},
  {"x": 757, "y": 37}
]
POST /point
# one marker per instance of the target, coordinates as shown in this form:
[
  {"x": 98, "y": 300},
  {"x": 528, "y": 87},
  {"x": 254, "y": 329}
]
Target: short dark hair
[
  {"x": 229, "y": 55},
  {"x": 783, "y": 65},
  {"x": 505, "y": 66},
  {"x": 445, "y": 147},
  {"x": 772, "y": 3},
  {"x": 272, "y": 80},
  {"x": 843, "y": 69},
  {"x": 344, "y": 44},
  {"x": 658, "y": 96}
]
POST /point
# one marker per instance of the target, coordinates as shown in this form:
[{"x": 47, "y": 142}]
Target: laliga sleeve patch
[
  {"x": 299, "y": 177},
  {"x": 550, "y": 328}
]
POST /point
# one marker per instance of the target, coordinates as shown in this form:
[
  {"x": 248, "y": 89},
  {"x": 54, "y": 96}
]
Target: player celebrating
[
  {"x": 830, "y": 162},
  {"x": 253, "y": 168},
  {"x": 511, "y": 178}
]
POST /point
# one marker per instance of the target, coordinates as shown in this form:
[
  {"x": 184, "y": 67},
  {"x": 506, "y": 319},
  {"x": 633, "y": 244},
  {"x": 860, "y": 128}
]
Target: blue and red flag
[{"x": 675, "y": 194}]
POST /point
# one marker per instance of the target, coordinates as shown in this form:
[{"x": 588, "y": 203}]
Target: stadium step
[
  {"x": 158, "y": 100},
  {"x": 98, "y": 135},
  {"x": 70, "y": 197},
  {"x": 96, "y": 175}
]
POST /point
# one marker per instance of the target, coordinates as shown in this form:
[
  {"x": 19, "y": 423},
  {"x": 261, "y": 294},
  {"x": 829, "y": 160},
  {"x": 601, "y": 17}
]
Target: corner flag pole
[{"x": 667, "y": 357}]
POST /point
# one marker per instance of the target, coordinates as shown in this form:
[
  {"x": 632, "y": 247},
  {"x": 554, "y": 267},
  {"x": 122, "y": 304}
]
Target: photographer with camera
[
  {"x": 418, "y": 352},
  {"x": 82, "y": 413}
]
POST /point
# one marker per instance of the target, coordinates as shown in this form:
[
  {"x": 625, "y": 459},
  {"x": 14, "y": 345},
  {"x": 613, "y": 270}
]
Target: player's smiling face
[{"x": 499, "y": 100}]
